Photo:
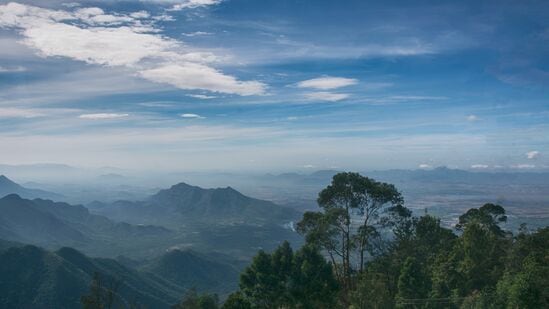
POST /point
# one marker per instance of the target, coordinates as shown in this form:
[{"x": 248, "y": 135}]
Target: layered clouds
[
  {"x": 265, "y": 85},
  {"x": 130, "y": 40}
]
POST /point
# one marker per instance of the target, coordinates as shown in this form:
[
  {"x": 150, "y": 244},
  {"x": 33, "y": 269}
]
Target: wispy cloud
[
  {"x": 395, "y": 99},
  {"x": 12, "y": 69},
  {"x": 523, "y": 166},
  {"x": 188, "y": 75},
  {"x": 79, "y": 85},
  {"x": 156, "y": 104},
  {"x": 472, "y": 118},
  {"x": 532, "y": 154},
  {"x": 101, "y": 116},
  {"x": 327, "y": 83},
  {"x": 96, "y": 37},
  {"x": 12, "y": 112},
  {"x": 192, "y": 116},
  {"x": 325, "y": 96},
  {"x": 202, "y": 96},
  {"x": 196, "y": 33},
  {"x": 191, "y": 4}
]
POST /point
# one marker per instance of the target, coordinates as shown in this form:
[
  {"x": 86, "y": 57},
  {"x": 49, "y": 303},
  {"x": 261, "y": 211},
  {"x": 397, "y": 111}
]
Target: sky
[{"x": 275, "y": 85}]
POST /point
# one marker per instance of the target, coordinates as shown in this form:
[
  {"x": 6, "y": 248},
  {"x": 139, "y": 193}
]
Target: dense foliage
[
  {"x": 364, "y": 249},
  {"x": 375, "y": 254}
]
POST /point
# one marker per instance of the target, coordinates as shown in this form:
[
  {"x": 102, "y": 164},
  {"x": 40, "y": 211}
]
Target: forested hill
[
  {"x": 411, "y": 262},
  {"x": 36, "y": 278},
  {"x": 186, "y": 204}
]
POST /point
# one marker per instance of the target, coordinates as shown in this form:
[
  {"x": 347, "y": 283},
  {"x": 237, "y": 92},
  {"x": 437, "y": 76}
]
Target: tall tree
[
  {"x": 284, "y": 279},
  {"x": 489, "y": 216},
  {"x": 351, "y": 209}
]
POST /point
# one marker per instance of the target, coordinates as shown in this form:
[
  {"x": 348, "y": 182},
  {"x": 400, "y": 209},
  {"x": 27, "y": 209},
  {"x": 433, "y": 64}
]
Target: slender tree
[{"x": 352, "y": 207}]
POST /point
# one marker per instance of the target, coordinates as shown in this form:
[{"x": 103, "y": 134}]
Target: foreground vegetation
[{"x": 365, "y": 250}]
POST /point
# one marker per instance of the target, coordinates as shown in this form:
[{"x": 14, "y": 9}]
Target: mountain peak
[
  {"x": 8, "y": 186},
  {"x": 6, "y": 181},
  {"x": 12, "y": 197},
  {"x": 182, "y": 185}
]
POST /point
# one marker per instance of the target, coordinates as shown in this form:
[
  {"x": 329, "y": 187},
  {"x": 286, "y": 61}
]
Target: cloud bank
[{"x": 131, "y": 41}]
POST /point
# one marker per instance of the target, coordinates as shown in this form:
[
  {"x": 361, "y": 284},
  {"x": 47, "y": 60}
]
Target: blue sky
[{"x": 275, "y": 85}]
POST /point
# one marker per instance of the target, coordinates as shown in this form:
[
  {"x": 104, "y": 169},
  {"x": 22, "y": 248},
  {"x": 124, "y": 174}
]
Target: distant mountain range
[
  {"x": 183, "y": 204},
  {"x": 9, "y": 187},
  {"x": 51, "y": 224},
  {"x": 183, "y": 216},
  {"x": 439, "y": 174},
  {"x": 35, "y": 278}
]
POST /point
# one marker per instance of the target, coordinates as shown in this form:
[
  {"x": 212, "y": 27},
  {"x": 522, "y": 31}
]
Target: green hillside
[
  {"x": 191, "y": 269},
  {"x": 36, "y": 278}
]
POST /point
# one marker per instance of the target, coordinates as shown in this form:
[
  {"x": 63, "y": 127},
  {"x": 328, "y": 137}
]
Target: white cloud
[
  {"x": 188, "y": 75},
  {"x": 100, "y": 116},
  {"x": 191, "y": 4},
  {"x": 14, "y": 69},
  {"x": 140, "y": 15},
  {"x": 308, "y": 166},
  {"x": 424, "y": 166},
  {"x": 479, "y": 166},
  {"x": 127, "y": 42},
  {"x": 327, "y": 82},
  {"x": 195, "y": 116},
  {"x": 472, "y": 118},
  {"x": 292, "y": 118},
  {"x": 326, "y": 96},
  {"x": 104, "y": 46},
  {"x": 532, "y": 154}
]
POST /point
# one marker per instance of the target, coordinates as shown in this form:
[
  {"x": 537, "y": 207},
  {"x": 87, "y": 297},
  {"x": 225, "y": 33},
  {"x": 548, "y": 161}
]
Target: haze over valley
[{"x": 274, "y": 154}]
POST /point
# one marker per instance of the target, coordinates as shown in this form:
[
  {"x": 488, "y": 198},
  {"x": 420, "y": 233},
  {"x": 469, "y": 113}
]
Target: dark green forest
[{"x": 365, "y": 249}]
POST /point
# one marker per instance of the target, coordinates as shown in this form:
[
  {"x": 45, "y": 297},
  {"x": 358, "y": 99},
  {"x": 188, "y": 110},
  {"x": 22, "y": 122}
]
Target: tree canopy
[{"x": 412, "y": 262}]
